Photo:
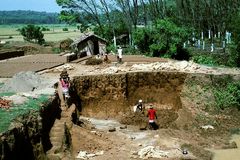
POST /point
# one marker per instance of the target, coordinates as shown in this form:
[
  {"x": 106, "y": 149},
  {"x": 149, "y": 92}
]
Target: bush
[
  {"x": 228, "y": 96},
  {"x": 165, "y": 39},
  {"x": 110, "y": 48},
  {"x": 65, "y": 29},
  {"x": 65, "y": 44},
  {"x": 94, "y": 61},
  {"x": 143, "y": 39},
  {"x": 56, "y": 50},
  {"x": 234, "y": 56},
  {"x": 45, "y": 29},
  {"x": 32, "y": 32},
  {"x": 205, "y": 59}
]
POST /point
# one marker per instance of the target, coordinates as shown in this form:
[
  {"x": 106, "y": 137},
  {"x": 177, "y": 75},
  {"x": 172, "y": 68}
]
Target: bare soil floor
[
  {"x": 169, "y": 141},
  {"x": 126, "y": 143}
]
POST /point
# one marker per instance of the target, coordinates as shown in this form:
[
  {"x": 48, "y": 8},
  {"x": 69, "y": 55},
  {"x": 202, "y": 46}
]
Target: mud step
[
  {"x": 56, "y": 138},
  {"x": 57, "y": 143}
]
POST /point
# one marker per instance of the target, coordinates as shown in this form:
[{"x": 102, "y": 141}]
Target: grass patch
[
  {"x": 6, "y": 94},
  {"x": 228, "y": 95},
  {"x": 235, "y": 131},
  {"x": 8, "y": 115},
  {"x": 205, "y": 59}
]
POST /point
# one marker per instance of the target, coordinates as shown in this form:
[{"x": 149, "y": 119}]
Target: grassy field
[{"x": 56, "y": 33}]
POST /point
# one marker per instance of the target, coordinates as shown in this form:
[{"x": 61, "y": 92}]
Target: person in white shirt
[{"x": 119, "y": 54}]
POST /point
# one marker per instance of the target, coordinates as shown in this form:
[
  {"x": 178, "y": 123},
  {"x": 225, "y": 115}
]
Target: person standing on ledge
[
  {"x": 63, "y": 87},
  {"x": 119, "y": 54}
]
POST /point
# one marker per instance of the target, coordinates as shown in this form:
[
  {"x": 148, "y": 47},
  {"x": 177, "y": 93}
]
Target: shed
[{"x": 89, "y": 44}]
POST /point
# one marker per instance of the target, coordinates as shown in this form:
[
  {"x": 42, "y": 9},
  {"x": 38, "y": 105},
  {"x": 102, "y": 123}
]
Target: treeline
[
  {"x": 160, "y": 27},
  {"x": 28, "y": 17}
]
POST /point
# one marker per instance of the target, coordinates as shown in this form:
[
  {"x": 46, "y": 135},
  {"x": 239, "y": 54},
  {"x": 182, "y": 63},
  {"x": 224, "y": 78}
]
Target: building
[{"x": 89, "y": 44}]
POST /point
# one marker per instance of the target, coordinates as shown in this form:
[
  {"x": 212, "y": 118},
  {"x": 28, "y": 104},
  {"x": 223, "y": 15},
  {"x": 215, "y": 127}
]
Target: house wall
[{"x": 102, "y": 48}]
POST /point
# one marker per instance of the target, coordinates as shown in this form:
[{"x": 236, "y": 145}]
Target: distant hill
[{"x": 28, "y": 17}]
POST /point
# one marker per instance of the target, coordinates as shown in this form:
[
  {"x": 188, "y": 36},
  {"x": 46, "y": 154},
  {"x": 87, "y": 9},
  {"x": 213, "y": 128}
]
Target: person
[
  {"x": 140, "y": 105},
  {"x": 65, "y": 84},
  {"x": 151, "y": 118},
  {"x": 119, "y": 54}
]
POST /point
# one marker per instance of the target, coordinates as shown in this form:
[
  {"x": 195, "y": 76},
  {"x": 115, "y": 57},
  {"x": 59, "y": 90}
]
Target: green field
[{"x": 56, "y": 33}]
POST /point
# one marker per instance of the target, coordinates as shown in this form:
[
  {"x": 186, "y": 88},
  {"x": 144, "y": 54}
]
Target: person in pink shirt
[
  {"x": 65, "y": 84},
  {"x": 151, "y": 117}
]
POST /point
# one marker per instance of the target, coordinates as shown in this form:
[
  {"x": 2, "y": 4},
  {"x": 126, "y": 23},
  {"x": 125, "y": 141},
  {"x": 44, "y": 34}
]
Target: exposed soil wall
[
  {"x": 178, "y": 97},
  {"x": 28, "y": 136},
  {"x": 11, "y": 54},
  {"x": 112, "y": 95}
]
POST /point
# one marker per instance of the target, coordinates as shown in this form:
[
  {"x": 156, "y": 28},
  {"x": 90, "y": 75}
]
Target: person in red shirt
[{"x": 151, "y": 117}]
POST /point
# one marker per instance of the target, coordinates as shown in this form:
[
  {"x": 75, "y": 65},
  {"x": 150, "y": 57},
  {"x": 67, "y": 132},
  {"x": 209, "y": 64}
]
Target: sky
[{"x": 33, "y": 5}]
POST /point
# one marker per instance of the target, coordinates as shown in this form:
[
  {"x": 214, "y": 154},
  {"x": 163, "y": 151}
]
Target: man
[
  {"x": 119, "y": 54},
  {"x": 64, "y": 85},
  {"x": 151, "y": 116},
  {"x": 140, "y": 106}
]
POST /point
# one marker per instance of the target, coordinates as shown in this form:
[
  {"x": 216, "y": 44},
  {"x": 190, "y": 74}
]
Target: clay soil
[
  {"x": 125, "y": 142},
  {"x": 133, "y": 134}
]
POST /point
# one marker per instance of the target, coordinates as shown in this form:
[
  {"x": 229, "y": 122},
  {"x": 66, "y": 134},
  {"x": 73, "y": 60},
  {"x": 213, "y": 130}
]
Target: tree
[
  {"x": 168, "y": 38},
  {"x": 207, "y": 14},
  {"x": 165, "y": 38},
  {"x": 32, "y": 32}
]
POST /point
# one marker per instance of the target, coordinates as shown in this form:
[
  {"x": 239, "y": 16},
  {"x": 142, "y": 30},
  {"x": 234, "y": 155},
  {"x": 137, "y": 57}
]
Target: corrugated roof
[{"x": 86, "y": 37}]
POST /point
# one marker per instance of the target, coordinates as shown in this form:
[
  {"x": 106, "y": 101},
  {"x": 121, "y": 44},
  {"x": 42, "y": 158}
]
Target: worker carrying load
[{"x": 65, "y": 84}]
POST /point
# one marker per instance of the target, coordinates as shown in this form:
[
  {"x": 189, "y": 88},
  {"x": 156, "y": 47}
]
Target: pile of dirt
[
  {"x": 166, "y": 118},
  {"x": 136, "y": 119},
  {"x": 24, "y": 82},
  {"x": 5, "y": 103},
  {"x": 171, "y": 65}
]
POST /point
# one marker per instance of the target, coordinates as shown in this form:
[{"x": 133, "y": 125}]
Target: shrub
[
  {"x": 94, "y": 61},
  {"x": 143, "y": 39},
  {"x": 65, "y": 29},
  {"x": 65, "y": 44},
  {"x": 228, "y": 96},
  {"x": 45, "y": 29},
  {"x": 165, "y": 39},
  {"x": 56, "y": 50},
  {"x": 205, "y": 59},
  {"x": 32, "y": 32},
  {"x": 234, "y": 56}
]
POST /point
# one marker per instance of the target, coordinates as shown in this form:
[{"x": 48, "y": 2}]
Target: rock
[
  {"x": 123, "y": 127},
  {"x": 143, "y": 127},
  {"x": 99, "y": 153},
  {"x": 156, "y": 136},
  {"x": 91, "y": 155},
  {"x": 152, "y": 152},
  {"x": 82, "y": 155},
  {"x": 112, "y": 129},
  {"x": 132, "y": 138},
  {"x": 207, "y": 127}
]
